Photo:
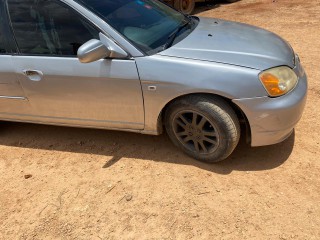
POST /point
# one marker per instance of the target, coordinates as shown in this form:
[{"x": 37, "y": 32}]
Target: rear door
[{"x": 12, "y": 98}]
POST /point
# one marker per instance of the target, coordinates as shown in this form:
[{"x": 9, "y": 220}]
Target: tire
[
  {"x": 204, "y": 127},
  {"x": 184, "y": 6}
]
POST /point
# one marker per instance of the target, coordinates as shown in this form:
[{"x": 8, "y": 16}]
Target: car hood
[{"x": 233, "y": 43}]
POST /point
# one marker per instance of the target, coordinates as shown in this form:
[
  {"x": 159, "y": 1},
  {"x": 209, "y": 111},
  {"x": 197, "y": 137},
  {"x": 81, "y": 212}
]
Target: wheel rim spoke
[
  {"x": 196, "y": 132},
  {"x": 196, "y": 146},
  {"x": 183, "y": 119},
  {"x": 194, "y": 119},
  {"x": 209, "y": 134},
  {"x": 202, "y": 122},
  {"x": 181, "y": 124},
  {"x": 203, "y": 146},
  {"x": 187, "y": 139},
  {"x": 209, "y": 140},
  {"x": 181, "y": 134}
]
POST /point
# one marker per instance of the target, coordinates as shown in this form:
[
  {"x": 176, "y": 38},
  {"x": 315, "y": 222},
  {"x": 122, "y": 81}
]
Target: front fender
[{"x": 165, "y": 78}]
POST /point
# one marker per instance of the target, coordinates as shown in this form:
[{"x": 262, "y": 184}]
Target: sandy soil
[{"x": 66, "y": 183}]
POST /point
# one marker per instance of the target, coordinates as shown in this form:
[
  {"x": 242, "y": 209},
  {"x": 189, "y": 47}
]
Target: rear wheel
[
  {"x": 206, "y": 128},
  {"x": 184, "y": 6}
]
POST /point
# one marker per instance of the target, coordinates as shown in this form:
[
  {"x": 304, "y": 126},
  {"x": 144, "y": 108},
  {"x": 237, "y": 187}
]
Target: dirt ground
[{"x": 67, "y": 183}]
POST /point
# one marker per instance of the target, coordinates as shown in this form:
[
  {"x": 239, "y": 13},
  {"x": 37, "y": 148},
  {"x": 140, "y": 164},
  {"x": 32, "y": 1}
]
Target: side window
[
  {"x": 2, "y": 34},
  {"x": 48, "y": 27},
  {"x": 7, "y": 43}
]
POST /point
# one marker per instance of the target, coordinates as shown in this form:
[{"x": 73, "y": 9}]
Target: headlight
[{"x": 278, "y": 81}]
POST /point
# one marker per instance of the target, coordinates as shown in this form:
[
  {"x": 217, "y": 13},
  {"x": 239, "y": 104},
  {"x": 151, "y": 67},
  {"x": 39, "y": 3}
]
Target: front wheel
[{"x": 204, "y": 127}]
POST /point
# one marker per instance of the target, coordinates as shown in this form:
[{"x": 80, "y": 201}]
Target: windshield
[{"x": 148, "y": 24}]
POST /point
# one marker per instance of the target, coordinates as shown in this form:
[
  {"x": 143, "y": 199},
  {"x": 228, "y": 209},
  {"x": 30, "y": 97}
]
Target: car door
[
  {"x": 12, "y": 98},
  {"x": 106, "y": 93}
]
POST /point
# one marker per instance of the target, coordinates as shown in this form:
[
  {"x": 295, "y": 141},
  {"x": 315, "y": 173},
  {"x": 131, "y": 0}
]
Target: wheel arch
[{"x": 244, "y": 123}]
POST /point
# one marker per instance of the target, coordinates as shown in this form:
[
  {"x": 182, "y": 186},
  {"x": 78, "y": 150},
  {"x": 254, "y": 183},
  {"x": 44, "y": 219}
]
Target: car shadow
[{"x": 119, "y": 145}]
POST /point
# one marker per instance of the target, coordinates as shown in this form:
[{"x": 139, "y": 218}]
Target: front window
[
  {"x": 6, "y": 40},
  {"x": 2, "y": 34},
  {"x": 48, "y": 27},
  {"x": 148, "y": 24}
]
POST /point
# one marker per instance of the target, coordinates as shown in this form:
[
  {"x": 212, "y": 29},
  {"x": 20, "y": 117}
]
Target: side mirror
[{"x": 93, "y": 50}]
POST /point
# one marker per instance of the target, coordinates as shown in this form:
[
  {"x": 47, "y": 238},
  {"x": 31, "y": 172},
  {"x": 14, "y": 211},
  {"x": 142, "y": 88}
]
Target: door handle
[{"x": 34, "y": 75}]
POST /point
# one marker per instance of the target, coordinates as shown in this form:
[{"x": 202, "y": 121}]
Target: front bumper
[{"x": 272, "y": 120}]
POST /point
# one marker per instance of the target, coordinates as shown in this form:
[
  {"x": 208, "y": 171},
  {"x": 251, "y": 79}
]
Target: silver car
[{"x": 141, "y": 66}]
